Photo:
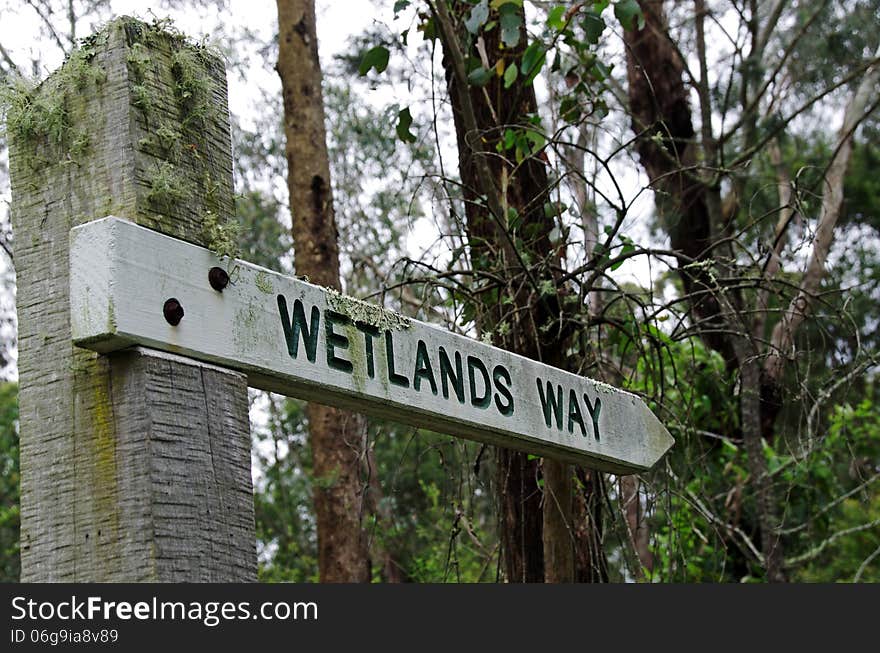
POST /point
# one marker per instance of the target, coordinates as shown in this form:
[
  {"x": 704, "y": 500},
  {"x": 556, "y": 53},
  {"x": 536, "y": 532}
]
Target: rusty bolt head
[
  {"x": 218, "y": 278},
  {"x": 173, "y": 311}
]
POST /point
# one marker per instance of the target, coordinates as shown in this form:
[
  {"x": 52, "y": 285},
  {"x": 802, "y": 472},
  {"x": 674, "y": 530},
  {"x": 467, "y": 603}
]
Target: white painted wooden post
[{"x": 135, "y": 466}]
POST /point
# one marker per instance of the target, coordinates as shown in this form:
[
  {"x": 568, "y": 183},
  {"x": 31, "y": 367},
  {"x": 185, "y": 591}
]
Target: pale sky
[{"x": 337, "y": 23}]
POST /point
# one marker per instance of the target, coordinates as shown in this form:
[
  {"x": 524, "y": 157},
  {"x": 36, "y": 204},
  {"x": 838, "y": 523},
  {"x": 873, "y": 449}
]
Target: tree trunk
[
  {"x": 667, "y": 150},
  {"x": 336, "y": 436},
  {"x": 857, "y": 108},
  {"x": 559, "y": 561},
  {"x": 765, "y": 499},
  {"x": 636, "y": 525},
  {"x": 662, "y": 115},
  {"x": 532, "y": 531},
  {"x": 382, "y": 520}
]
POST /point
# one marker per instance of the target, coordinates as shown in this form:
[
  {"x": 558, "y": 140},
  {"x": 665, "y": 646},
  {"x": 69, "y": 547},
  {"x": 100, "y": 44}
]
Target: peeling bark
[{"x": 529, "y": 528}]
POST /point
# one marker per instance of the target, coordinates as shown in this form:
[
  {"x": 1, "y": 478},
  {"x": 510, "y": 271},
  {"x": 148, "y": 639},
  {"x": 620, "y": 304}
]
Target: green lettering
[
  {"x": 552, "y": 404},
  {"x": 574, "y": 413},
  {"x": 499, "y": 374},
  {"x": 594, "y": 409},
  {"x": 299, "y": 326},
  {"x": 393, "y": 377},
  {"x": 457, "y": 376},
  {"x": 474, "y": 363},
  {"x": 369, "y": 332},
  {"x": 423, "y": 368},
  {"x": 336, "y": 341}
]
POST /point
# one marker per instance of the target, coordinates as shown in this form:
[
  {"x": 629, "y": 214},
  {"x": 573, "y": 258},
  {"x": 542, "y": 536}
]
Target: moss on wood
[{"x": 366, "y": 313}]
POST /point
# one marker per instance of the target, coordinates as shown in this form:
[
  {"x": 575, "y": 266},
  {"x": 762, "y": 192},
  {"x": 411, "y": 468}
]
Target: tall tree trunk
[
  {"x": 667, "y": 149},
  {"x": 661, "y": 114},
  {"x": 337, "y": 437},
  {"x": 558, "y": 526},
  {"x": 536, "y": 527},
  {"x": 765, "y": 497},
  {"x": 636, "y": 525},
  {"x": 860, "y": 104}
]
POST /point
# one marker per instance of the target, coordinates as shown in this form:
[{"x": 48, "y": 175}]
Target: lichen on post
[{"x": 136, "y": 466}]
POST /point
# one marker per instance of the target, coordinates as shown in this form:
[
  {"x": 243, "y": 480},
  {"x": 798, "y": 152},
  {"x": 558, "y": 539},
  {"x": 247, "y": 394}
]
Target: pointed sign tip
[{"x": 658, "y": 440}]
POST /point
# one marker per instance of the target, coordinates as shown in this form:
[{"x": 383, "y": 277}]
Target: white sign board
[{"x": 305, "y": 341}]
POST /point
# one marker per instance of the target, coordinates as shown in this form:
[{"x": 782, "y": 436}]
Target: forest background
[{"x": 677, "y": 198}]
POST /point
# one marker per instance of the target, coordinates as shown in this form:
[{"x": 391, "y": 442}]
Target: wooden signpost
[
  {"x": 136, "y": 344},
  {"x": 305, "y": 341},
  {"x": 135, "y": 466}
]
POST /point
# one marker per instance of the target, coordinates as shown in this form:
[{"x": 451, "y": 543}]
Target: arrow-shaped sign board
[{"x": 133, "y": 286}]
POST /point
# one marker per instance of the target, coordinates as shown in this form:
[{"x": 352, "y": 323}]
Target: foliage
[
  {"x": 441, "y": 528},
  {"x": 437, "y": 529},
  {"x": 287, "y": 549},
  {"x": 9, "y": 483},
  {"x": 840, "y": 478},
  {"x": 435, "y": 517}
]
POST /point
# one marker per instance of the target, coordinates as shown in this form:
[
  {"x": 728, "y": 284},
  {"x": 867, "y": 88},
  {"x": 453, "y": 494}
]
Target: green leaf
[
  {"x": 537, "y": 139},
  {"x": 497, "y": 4},
  {"x": 510, "y": 20},
  {"x": 479, "y": 15},
  {"x": 513, "y": 218},
  {"x": 429, "y": 29},
  {"x": 629, "y": 14},
  {"x": 553, "y": 209},
  {"x": 510, "y": 76},
  {"x": 509, "y": 138},
  {"x": 594, "y": 25},
  {"x": 374, "y": 58},
  {"x": 404, "y": 121},
  {"x": 600, "y": 71},
  {"x": 556, "y": 17},
  {"x": 468, "y": 313},
  {"x": 570, "y": 110},
  {"x": 532, "y": 61},
  {"x": 480, "y": 76},
  {"x": 399, "y": 6},
  {"x": 628, "y": 247}
]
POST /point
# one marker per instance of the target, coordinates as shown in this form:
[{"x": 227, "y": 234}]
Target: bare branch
[
  {"x": 832, "y": 200},
  {"x": 49, "y": 26},
  {"x": 750, "y": 104},
  {"x": 767, "y": 30},
  {"x": 10, "y": 63},
  {"x": 817, "y": 550},
  {"x": 865, "y": 564},
  {"x": 774, "y": 258},
  {"x": 831, "y": 505}
]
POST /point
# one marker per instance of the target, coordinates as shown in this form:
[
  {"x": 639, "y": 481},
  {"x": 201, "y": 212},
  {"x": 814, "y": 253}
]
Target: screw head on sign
[
  {"x": 173, "y": 311},
  {"x": 218, "y": 278}
]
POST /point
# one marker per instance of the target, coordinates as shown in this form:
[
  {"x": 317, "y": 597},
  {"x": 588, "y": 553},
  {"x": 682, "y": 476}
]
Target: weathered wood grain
[
  {"x": 346, "y": 352},
  {"x": 195, "y": 510},
  {"x": 122, "y": 479}
]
